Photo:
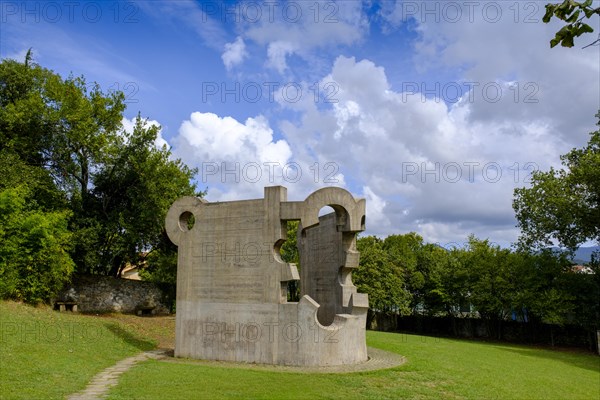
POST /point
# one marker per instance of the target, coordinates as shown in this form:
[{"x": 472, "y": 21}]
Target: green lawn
[
  {"x": 436, "y": 369},
  {"x": 49, "y": 355},
  {"x": 44, "y": 354}
]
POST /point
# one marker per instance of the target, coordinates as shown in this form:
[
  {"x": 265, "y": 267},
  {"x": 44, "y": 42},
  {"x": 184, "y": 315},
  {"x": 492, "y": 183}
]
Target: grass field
[
  {"x": 44, "y": 354},
  {"x": 436, "y": 369}
]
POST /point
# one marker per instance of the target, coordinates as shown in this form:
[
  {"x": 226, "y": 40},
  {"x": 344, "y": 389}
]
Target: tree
[
  {"x": 539, "y": 291},
  {"x": 381, "y": 278},
  {"x": 117, "y": 186},
  {"x": 34, "y": 261},
  {"x": 563, "y": 204},
  {"x": 432, "y": 264},
  {"x": 584, "y": 298},
  {"x": 57, "y": 124},
  {"x": 570, "y": 11},
  {"x": 34, "y": 239},
  {"x": 402, "y": 251},
  {"x": 490, "y": 281},
  {"x": 133, "y": 191},
  {"x": 64, "y": 130}
]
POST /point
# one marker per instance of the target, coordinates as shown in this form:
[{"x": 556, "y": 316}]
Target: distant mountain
[{"x": 583, "y": 255}]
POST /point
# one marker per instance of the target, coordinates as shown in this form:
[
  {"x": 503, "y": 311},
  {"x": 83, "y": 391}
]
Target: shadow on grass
[
  {"x": 129, "y": 338},
  {"x": 575, "y": 356},
  {"x": 587, "y": 361}
]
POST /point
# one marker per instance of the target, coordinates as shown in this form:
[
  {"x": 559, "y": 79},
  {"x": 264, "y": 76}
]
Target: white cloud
[
  {"x": 129, "y": 124},
  {"x": 506, "y": 41},
  {"x": 444, "y": 170},
  {"x": 193, "y": 15},
  {"x": 301, "y": 27},
  {"x": 234, "y": 53},
  {"x": 235, "y": 159},
  {"x": 375, "y": 208},
  {"x": 425, "y": 166},
  {"x": 277, "y": 53}
]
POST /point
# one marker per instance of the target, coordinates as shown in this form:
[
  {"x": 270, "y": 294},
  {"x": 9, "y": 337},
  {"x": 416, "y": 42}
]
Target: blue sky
[{"x": 434, "y": 111}]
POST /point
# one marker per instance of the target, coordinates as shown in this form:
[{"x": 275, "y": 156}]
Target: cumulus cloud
[
  {"x": 375, "y": 208},
  {"x": 235, "y": 159},
  {"x": 159, "y": 142},
  {"x": 234, "y": 53},
  {"x": 277, "y": 53},
  {"x": 300, "y": 28},
  {"x": 444, "y": 169},
  {"x": 430, "y": 167},
  {"x": 506, "y": 43}
]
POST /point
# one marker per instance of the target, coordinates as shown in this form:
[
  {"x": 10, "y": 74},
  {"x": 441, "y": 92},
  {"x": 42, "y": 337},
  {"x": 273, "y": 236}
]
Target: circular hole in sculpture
[{"x": 186, "y": 221}]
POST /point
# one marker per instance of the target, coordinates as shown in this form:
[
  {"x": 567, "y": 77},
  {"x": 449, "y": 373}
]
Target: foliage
[
  {"x": 160, "y": 267},
  {"x": 134, "y": 190},
  {"x": 381, "y": 277},
  {"x": 439, "y": 293},
  {"x": 570, "y": 11},
  {"x": 57, "y": 124},
  {"x": 490, "y": 278},
  {"x": 289, "y": 254},
  {"x": 539, "y": 293},
  {"x": 403, "y": 275},
  {"x": 402, "y": 251},
  {"x": 584, "y": 296},
  {"x": 113, "y": 187},
  {"x": 34, "y": 262},
  {"x": 563, "y": 204},
  {"x": 289, "y": 249}
]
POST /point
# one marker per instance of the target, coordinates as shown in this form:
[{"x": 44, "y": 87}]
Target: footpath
[
  {"x": 105, "y": 380},
  {"x": 101, "y": 383}
]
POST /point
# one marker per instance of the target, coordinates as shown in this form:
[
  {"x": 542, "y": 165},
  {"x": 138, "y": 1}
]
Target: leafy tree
[
  {"x": 57, "y": 124},
  {"x": 490, "y": 281},
  {"x": 563, "y": 204},
  {"x": 118, "y": 186},
  {"x": 133, "y": 191},
  {"x": 573, "y": 13},
  {"x": 539, "y": 294},
  {"x": 432, "y": 264},
  {"x": 403, "y": 250},
  {"x": 42, "y": 191},
  {"x": 584, "y": 298},
  {"x": 34, "y": 261},
  {"x": 381, "y": 278},
  {"x": 160, "y": 267}
]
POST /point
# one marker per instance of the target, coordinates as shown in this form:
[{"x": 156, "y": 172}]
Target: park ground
[{"x": 46, "y": 354}]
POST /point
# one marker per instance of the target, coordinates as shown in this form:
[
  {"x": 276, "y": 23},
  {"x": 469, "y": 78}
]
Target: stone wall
[{"x": 93, "y": 293}]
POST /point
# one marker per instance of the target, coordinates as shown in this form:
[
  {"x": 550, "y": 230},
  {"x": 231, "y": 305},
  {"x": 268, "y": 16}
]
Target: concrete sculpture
[{"x": 232, "y": 284}]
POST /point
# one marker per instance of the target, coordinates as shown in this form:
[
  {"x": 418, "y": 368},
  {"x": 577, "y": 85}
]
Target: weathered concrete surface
[{"x": 232, "y": 284}]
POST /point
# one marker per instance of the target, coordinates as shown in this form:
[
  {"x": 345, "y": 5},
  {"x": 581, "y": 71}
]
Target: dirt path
[{"x": 101, "y": 383}]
